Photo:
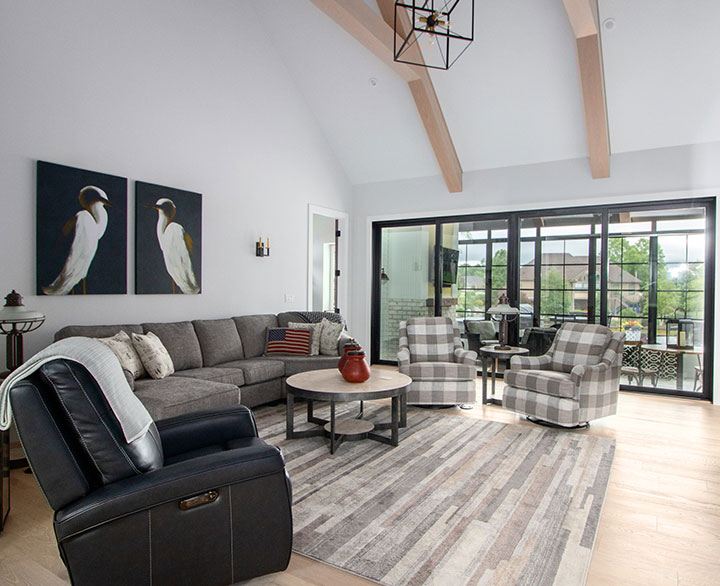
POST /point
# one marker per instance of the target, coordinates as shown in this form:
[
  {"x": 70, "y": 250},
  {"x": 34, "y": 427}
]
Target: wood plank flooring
[{"x": 660, "y": 524}]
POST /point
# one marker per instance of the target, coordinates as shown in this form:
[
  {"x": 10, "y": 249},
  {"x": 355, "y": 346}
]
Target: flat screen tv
[{"x": 449, "y": 258}]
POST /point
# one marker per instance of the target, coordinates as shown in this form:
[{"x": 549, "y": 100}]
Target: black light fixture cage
[{"x": 433, "y": 33}]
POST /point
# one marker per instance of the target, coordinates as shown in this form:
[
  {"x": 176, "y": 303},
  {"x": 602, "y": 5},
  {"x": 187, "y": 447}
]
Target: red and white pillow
[{"x": 290, "y": 341}]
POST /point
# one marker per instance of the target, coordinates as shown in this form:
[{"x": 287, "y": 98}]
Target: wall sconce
[
  {"x": 262, "y": 248},
  {"x": 383, "y": 276}
]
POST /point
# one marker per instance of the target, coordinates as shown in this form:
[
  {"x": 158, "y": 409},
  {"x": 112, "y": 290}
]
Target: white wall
[
  {"x": 182, "y": 93},
  {"x": 657, "y": 174}
]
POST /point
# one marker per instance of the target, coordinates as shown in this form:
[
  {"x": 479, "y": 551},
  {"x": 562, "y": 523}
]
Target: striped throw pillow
[{"x": 288, "y": 341}]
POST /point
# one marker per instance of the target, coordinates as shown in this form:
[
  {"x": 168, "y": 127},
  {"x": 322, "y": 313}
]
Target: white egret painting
[
  {"x": 81, "y": 231},
  {"x": 168, "y": 240}
]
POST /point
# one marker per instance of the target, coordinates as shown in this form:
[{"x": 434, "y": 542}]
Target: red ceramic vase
[
  {"x": 356, "y": 369},
  {"x": 347, "y": 348}
]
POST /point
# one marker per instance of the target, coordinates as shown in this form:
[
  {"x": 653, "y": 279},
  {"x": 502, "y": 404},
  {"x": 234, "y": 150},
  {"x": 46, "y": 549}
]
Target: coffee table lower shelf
[{"x": 328, "y": 386}]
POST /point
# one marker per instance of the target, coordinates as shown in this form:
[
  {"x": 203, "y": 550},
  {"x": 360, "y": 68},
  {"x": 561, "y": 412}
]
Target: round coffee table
[{"x": 329, "y": 385}]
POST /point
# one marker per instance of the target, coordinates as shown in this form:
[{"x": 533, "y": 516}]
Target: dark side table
[
  {"x": 491, "y": 354},
  {"x": 4, "y": 471}
]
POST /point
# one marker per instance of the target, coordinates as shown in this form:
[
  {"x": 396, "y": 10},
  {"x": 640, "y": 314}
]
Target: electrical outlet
[{"x": 289, "y": 298}]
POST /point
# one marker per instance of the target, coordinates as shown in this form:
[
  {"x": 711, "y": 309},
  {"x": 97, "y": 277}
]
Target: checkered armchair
[
  {"x": 431, "y": 353},
  {"x": 577, "y": 380}
]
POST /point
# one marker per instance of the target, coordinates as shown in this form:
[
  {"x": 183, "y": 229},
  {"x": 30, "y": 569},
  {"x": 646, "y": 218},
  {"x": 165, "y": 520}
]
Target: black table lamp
[{"x": 16, "y": 320}]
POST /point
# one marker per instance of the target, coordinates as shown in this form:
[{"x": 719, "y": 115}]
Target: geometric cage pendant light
[{"x": 433, "y": 33}]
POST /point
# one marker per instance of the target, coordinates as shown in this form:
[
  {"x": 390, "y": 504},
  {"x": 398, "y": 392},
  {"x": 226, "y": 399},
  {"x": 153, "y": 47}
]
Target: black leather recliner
[{"x": 199, "y": 500}]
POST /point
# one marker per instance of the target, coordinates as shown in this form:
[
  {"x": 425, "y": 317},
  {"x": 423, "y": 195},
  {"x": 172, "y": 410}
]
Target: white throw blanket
[{"x": 105, "y": 368}]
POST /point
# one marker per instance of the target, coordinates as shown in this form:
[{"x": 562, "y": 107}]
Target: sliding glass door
[
  {"x": 560, "y": 269},
  {"x": 482, "y": 275},
  {"x": 644, "y": 269},
  {"x": 407, "y": 284},
  {"x": 659, "y": 258}
]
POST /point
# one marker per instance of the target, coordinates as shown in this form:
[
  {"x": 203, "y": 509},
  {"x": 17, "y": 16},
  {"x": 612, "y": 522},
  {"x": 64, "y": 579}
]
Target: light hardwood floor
[{"x": 660, "y": 525}]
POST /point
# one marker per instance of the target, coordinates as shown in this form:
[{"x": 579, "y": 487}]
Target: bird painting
[
  {"x": 88, "y": 227},
  {"x": 176, "y": 246}
]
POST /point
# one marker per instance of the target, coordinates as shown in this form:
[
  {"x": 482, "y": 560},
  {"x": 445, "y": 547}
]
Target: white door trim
[{"x": 343, "y": 255}]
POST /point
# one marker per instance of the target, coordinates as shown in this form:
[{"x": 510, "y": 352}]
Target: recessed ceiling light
[
  {"x": 373, "y": 81},
  {"x": 609, "y": 24}
]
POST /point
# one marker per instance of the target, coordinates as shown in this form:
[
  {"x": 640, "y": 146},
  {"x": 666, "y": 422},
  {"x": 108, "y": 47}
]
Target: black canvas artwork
[
  {"x": 168, "y": 240},
  {"x": 81, "y": 231}
]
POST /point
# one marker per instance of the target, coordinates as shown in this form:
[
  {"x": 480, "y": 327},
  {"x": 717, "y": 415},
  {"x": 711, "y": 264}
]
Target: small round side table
[{"x": 493, "y": 354}]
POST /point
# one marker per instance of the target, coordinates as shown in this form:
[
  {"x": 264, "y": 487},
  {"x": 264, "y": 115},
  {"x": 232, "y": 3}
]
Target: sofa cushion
[
  {"x": 440, "y": 371},
  {"x": 295, "y": 364},
  {"x": 258, "y": 370},
  {"x": 122, "y": 346},
  {"x": 577, "y": 343},
  {"x": 547, "y": 382},
  {"x": 330, "y": 337},
  {"x": 96, "y": 331},
  {"x": 262, "y": 393},
  {"x": 181, "y": 342},
  {"x": 315, "y": 331},
  {"x": 231, "y": 376},
  {"x": 176, "y": 395},
  {"x": 288, "y": 341},
  {"x": 219, "y": 340},
  {"x": 154, "y": 355},
  {"x": 252, "y": 330}
]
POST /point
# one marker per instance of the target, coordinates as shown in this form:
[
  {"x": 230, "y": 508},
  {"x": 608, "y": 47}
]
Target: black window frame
[{"x": 514, "y": 219}]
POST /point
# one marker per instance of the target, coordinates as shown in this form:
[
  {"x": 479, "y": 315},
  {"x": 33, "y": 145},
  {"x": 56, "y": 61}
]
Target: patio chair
[
  {"x": 637, "y": 372},
  {"x": 480, "y": 333},
  {"x": 576, "y": 381}
]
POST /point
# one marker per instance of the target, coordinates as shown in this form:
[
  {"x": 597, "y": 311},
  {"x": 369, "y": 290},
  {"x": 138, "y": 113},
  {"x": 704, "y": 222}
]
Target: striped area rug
[{"x": 459, "y": 502}]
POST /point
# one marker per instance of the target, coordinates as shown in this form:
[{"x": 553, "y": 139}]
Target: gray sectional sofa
[{"x": 218, "y": 362}]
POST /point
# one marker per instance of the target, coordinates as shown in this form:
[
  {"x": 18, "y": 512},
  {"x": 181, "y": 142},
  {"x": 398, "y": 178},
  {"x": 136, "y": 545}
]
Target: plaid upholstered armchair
[
  {"x": 577, "y": 380},
  {"x": 431, "y": 353}
]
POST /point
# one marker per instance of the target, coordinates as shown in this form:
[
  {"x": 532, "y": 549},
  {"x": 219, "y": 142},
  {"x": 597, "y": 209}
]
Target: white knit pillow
[
  {"x": 330, "y": 336},
  {"x": 123, "y": 348},
  {"x": 154, "y": 355},
  {"x": 315, "y": 332}
]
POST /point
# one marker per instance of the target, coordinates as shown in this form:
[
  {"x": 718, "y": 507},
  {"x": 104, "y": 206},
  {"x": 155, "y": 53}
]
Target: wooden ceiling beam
[
  {"x": 371, "y": 31},
  {"x": 583, "y": 18},
  {"x": 377, "y": 34},
  {"x": 427, "y": 103},
  {"x": 583, "y": 15}
]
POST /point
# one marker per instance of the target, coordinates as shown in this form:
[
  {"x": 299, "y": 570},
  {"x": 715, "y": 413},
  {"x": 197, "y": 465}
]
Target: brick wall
[{"x": 395, "y": 310}]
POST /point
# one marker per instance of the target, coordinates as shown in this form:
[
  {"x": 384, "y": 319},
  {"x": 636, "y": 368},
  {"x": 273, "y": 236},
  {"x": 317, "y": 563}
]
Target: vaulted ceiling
[{"x": 514, "y": 97}]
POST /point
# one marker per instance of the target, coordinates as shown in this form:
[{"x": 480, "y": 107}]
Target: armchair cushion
[
  {"x": 578, "y": 343},
  {"x": 547, "y": 382},
  {"x": 440, "y": 371},
  {"x": 431, "y": 339}
]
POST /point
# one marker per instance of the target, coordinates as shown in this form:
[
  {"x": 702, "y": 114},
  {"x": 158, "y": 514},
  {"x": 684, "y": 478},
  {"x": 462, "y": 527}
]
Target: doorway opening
[{"x": 327, "y": 259}]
